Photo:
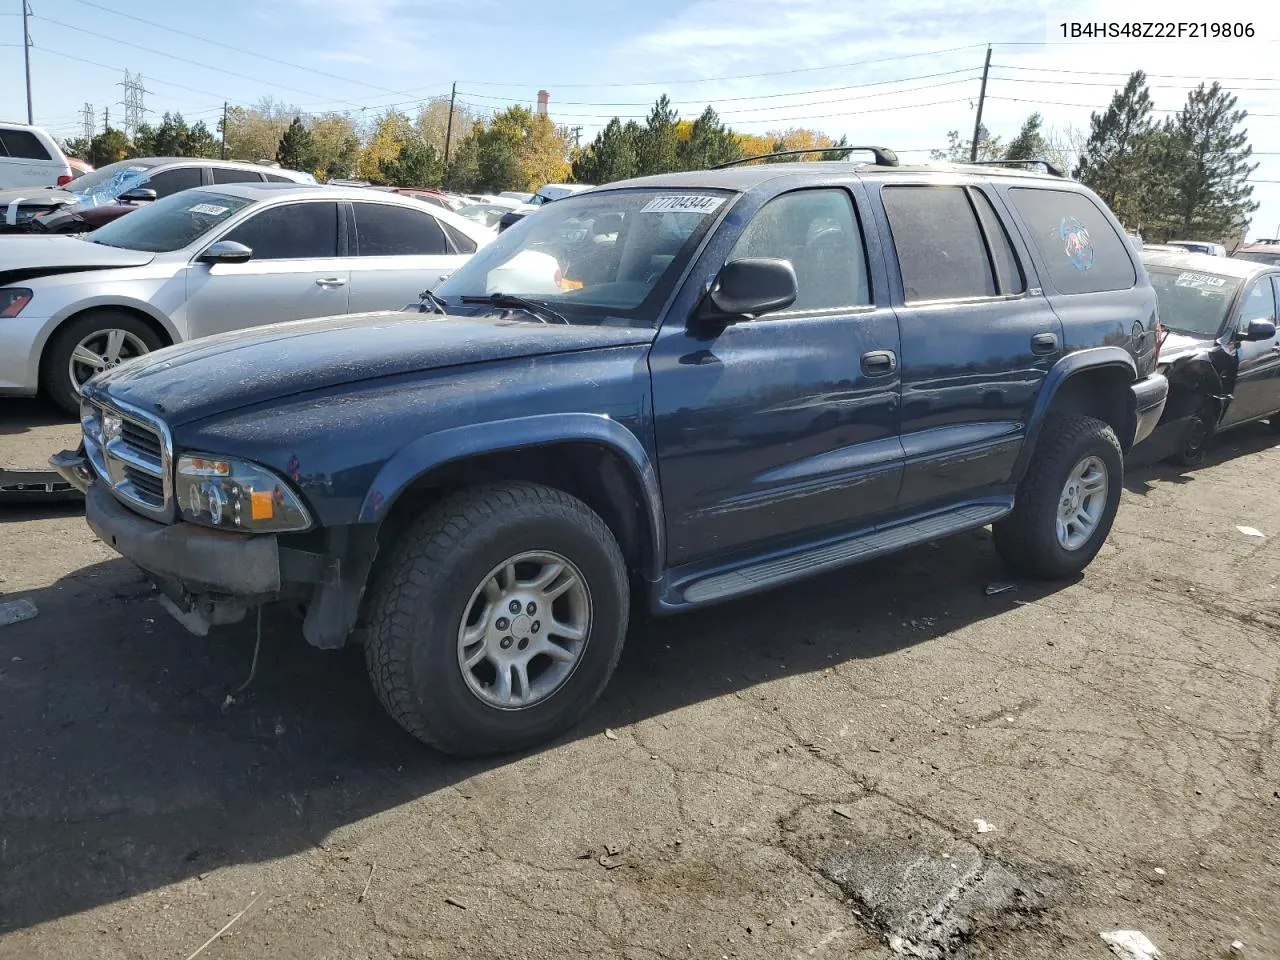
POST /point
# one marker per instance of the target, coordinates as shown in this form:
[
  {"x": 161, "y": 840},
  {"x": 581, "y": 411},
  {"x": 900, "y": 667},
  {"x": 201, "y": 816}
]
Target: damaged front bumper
[
  {"x": 210, "y": 577},
  {"x": 1149, "y": 397}
]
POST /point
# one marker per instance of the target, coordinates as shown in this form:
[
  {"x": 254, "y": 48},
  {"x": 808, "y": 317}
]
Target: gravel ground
[{"x": 795, "y": 775}]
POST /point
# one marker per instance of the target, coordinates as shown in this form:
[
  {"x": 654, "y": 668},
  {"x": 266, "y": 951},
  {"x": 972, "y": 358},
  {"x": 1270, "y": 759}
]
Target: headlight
[
  {"x": 12, "y": 300},
  {"x": 235, "y": 495}
]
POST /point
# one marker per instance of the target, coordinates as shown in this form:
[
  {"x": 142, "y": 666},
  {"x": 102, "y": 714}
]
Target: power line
[
  {"x": 107, "y": 66},
  {"x": 187, "y": 61},
  {"x": 1098, "y": 83},
  {"x": 744, "y": 76},
  {"x": 1094, "y": 106},
  {"x": 227, "y": 46},
  {"x": 1122, "y": 73},
  {"x": 761, "y": 96},
  {"x": 735, "y": 115}
]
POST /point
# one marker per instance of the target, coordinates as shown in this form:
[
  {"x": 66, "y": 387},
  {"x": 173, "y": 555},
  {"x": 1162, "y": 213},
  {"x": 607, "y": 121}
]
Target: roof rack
[
  {"x": 1049, "y": 168},
  {"x": 884, "y": 157}
]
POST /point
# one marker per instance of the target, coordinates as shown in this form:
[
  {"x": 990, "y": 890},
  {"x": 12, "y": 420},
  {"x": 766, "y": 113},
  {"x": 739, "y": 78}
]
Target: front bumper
[
  {"x": 1149, "y": 397},
  {"x": 21, "y": 339}
]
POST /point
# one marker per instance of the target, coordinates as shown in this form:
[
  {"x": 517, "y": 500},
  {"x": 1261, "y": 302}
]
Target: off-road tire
[
  {"x": 420, "y": 596},
  {"x": 1197, "y": 434},
  {"x": 1026, "y": 539},
  {"x": 54, "y": 378}
]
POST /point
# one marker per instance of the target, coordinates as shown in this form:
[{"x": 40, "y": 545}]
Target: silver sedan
[{"x": 208, "y": 261}]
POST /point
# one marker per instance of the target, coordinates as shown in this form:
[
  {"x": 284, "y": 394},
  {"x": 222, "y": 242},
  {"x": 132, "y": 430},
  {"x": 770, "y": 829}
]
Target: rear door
[
  {"x": 977, "y": 338},
  {"x": 297, "y": 271},
  {"x": 172, "y": 180},
  {"x": 1257, "y": 389},
  {"x": 399, "y": 252}
]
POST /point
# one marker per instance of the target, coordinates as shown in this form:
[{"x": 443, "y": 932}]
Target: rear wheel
[
  {"x": 498, "y": 620},
  {"x": 93, "y": 342},
  {"x": 1066, "y": 502}
]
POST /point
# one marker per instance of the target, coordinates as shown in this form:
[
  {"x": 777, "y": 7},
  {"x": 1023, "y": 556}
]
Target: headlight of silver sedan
[{"x": 234, "y": 494}]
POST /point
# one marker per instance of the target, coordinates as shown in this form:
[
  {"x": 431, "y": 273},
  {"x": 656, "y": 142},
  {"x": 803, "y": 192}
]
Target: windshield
[
  {"x": 615, "y": 254},
  {"x": 170, "y": 223},
  {"x": 1271, "y": 259},
  {"x": 106, "y": 183},
  {"x": 1193, "y": 302}
]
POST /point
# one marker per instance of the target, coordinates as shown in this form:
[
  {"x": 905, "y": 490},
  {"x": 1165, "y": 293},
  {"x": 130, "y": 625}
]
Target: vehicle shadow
[
  {"x": 1145, "y": 466},
  {"x": 21, "y": 415},
  {"x": 128, "y": 766}
]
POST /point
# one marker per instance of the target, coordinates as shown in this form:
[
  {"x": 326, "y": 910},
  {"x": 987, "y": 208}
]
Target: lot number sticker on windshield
[
  {"x": 212, "y": 209},
  {"x": 683, "y": 204},
  {"x": 1199, "y": 280}
]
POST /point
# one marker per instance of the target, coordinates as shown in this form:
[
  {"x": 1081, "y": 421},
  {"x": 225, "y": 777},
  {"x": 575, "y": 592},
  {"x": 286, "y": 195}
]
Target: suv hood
[
  {"x": 217, "y": 374},
  {"x": 25, "y": 257}
]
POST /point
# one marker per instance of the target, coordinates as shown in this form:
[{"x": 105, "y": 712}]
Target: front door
[
  {"x": 399, "y": 252},
  {"x": 1257, "y": 390},
  {"x": 295, "y": 272},
  {"x": 976, "y": 344},
  {"x": 779, "y": 429}
]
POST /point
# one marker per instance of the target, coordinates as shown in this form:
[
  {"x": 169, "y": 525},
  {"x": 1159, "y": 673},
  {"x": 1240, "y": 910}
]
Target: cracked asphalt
[{"x": 794, "y": 775}]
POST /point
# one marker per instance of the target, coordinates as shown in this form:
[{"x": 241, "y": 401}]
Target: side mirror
[
  {"x": 137, "y": 195},
  {"x": 1258, "y": 330},
  {"x": 225, "y": 251},
  {"x": 748, "y": 288}
]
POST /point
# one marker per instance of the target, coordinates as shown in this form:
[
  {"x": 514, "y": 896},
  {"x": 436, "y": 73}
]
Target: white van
[{"x": 30, "y": 158}]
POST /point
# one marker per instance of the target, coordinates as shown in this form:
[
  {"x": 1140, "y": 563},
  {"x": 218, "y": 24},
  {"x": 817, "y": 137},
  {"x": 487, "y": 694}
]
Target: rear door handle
[
  {"x": 329, "y": 281},
  {"x": 1043, "y": 343},
  {"x": 878, "y": 363}
]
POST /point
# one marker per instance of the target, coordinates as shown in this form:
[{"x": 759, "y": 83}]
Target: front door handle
[
  {"x": 878, "y": 363},
  {"x": 1044, "y": 343},
  {"x": 329, "y": 281}
]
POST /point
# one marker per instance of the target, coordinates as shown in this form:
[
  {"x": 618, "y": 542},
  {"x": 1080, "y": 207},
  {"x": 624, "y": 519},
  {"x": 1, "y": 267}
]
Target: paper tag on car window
[
  {"x": 212, "y": 209},
  {"x": 1199, "y": 280},
  {"x": 687, "y": 203}
]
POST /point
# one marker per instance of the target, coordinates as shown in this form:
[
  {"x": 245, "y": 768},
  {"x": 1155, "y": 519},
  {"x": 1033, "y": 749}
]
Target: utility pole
[
  {"x": 448, "y": 130},
  {"x": 134, "y": 110},
  {"x": 106, "y": 119},
  {"x": 224, "y": 130},
  {"x": 26, "y": 54},
  {"x": 982, "y": 96},
  {"x": 87, "y": 116}
]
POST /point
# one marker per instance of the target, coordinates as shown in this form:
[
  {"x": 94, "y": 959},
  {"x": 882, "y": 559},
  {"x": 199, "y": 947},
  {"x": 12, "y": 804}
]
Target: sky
[{"x": 889, "y": 72}]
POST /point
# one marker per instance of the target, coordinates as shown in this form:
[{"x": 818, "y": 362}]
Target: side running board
[{"x": 771, "y": 573}]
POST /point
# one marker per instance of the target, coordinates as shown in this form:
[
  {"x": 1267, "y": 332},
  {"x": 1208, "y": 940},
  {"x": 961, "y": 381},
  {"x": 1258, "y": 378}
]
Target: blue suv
[{"x": 664, "y": 393}]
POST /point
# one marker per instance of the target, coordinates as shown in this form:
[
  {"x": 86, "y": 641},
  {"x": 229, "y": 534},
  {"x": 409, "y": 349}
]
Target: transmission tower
[
  {"x": 87, "y": 115},
  {"x": 134, "y": 110}
]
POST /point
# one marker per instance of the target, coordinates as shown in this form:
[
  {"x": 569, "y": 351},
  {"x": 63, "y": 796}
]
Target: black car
[
  {"x": 668, "y": 392},
  {"x": 1222, "y": 353}
]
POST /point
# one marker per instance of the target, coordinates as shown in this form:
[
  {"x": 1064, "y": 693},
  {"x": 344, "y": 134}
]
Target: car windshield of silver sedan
[
  {"x": 1193, "y": 302},
  {"x": 613, "y": 254},
  {"x": 170, "y": 223}
]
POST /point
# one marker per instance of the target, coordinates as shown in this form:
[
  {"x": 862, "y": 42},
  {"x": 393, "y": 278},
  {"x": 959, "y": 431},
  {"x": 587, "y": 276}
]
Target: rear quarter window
[
  {"x": 22, "y": 145},
  {"x": 1081, "y": 250}
]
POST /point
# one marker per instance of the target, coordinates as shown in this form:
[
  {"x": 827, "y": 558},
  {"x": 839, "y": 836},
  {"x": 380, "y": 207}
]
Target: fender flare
[
  {"x": 459, "y": 443},
  {"x": 1094, "y": 358}
]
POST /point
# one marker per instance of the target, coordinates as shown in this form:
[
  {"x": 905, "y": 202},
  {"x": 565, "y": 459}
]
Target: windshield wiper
[
  {"x": 539, "y": 310},
  {"x": 437, "y": 302}
]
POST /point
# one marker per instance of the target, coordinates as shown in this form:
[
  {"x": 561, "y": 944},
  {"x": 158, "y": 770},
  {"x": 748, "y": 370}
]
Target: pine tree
[
  {"x": 1208, "y": 162},
  {"x": 1029, "y": 144},
  {"x": 1112, "y": 164},
  {"x": 416, "y": 165},
  {"x": 611, "y": 156},
  {"x": 658, "y": 149},
  {"x": 296, "y": 150},
  {"x": 710, "y": 142}
]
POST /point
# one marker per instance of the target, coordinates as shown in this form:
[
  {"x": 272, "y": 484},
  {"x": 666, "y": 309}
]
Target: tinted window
[
  {"x": 1268, "y": 258},
  {"x": 1081, "y": 249},
  {"x": 460, "y": 241},
  {"x": 291, "y": 232},
  {"x": 22, "y": 144},
  {"x": 171, "y": 223},
  {"x": 815, "y": 230},
  {"x": 386, "y": 231},
  {"x": 1009, "y": 276},
  {"x": 940, "y": 247},
  {"x": 231, "y": 175},
  {"x": 276, "y": 178},
  {"x": 1259, "y": 303},
  {"x": 168, "y": 182}
]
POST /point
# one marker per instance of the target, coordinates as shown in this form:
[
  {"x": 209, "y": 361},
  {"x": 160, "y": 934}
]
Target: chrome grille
[{"x": 134, "y": 457}]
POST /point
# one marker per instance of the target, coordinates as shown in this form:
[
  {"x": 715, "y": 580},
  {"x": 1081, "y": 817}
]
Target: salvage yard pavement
[{"x": 803, "y": 774}]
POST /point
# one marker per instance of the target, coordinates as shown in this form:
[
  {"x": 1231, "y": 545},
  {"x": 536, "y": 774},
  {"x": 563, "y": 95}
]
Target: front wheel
[
  {"x": 96, "y": 341},
  {"x": 1066, "y": 502},
  {"x": 1196, "y": 434},
  {"x": 498, "y": 620}
]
